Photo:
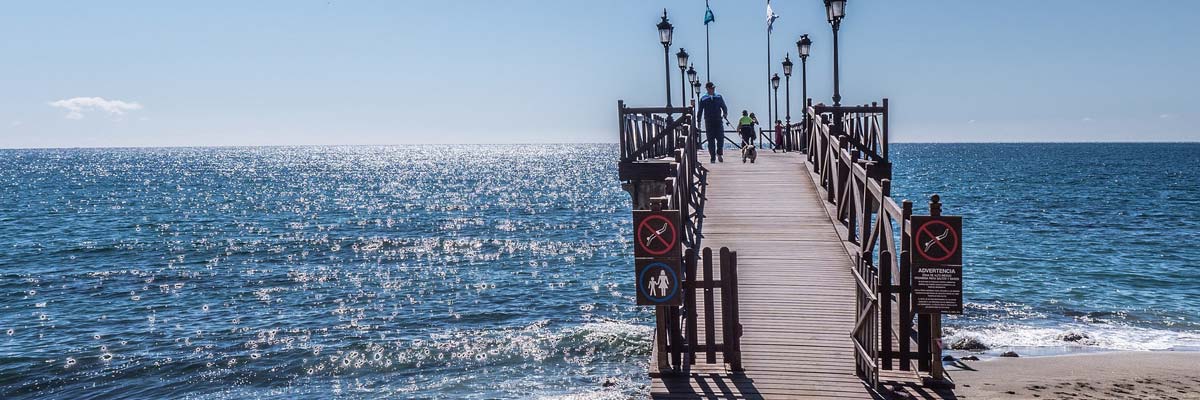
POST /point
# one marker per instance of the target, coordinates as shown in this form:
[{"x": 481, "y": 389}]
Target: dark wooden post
[
  {"x": 689, "y": 300},
  {"x": 621, "y": 128},
  {"x": 906, "y": 317},
  {"x": 935, "y": 320},
  {"x": 710, "y": 336},
  {"x": 730, "y": 325},
  {"x": 885, "y": 276},
  {"x": 726, "y": 338},
  {"x": 884, "y": 139}
]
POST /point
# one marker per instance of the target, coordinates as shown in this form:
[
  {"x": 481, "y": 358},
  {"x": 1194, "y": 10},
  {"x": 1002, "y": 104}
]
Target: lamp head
[
  {"x": 803, "y": 46},
  {"x": 665, "y": 30}
]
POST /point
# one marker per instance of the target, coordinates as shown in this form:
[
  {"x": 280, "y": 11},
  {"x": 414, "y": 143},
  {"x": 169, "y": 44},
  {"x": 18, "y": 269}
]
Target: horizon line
[{"x": 1197, "y": 141}]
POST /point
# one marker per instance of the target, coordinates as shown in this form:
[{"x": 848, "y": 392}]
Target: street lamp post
[
  {"x": 787, "y": 76},
  {"x": 835, "y": 10},
  {"x": 692, "y": 77},
  {"x": 682, "y": 57},
  {"x": 664, "y": 36},
  {"x": 802, "y": 46},
  {"x": 775, "y": 87}
]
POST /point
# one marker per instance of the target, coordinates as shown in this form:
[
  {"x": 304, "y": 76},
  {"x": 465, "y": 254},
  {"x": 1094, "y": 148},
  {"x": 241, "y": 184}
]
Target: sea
[{"x": 505, "y": 271}]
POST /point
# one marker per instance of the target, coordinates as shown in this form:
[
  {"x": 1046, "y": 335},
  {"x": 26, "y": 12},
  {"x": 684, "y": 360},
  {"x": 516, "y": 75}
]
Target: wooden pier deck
[{"x": 796, "y": 290}]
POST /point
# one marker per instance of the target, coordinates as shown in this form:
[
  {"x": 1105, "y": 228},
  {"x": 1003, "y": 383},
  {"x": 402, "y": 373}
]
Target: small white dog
[{"x": 749, "y": 153}]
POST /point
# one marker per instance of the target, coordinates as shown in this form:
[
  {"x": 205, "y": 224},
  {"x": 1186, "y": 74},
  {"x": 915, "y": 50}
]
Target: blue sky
[{"x": 153, "y": 73}]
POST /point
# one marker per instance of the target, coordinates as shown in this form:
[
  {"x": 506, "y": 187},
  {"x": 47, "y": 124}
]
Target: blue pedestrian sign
[{"x": 658, "y": 283}]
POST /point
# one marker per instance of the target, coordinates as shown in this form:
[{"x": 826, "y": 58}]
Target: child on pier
[
  {"x": 779, "y": 137},
  {"x": 746, "y": 128}
]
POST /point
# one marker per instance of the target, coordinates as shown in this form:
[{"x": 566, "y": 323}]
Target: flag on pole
[
  {"x": 771, "y": 16},
  {"x": 708, "y": 15}
]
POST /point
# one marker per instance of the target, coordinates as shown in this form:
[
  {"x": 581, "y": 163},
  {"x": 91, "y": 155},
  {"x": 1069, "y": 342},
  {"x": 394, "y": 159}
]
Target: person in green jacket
[{"x": 746, "y": 128}]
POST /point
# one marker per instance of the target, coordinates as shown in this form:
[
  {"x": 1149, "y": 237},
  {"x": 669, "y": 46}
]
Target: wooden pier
[
  {"x": 819, "y": 287},
  {"x": 796, "y": 292}
]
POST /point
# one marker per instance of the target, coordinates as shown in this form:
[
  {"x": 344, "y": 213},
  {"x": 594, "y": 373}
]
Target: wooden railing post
[
  {"x": 906, "y": 317},
  {"x": 710, "y": 335},
  {"x": 936, "y": 372},
  {"x": 884, "y": 287},
  {"x": 884, "y": 139},
  {"x": 730, "y": 327},
  {"x": 689, "y": 301}
]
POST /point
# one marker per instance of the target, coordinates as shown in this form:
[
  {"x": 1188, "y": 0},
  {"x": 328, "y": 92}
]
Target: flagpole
[
  {"x": 768, "y": 80},
  {"x": 707, "y": 58}
]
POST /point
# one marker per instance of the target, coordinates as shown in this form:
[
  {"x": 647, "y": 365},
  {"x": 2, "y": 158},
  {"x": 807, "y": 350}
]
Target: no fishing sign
[
  {"x": 937, "y": 240},
  {"x": 936, "y": 244},
  {"x": 656, "y": 234}
]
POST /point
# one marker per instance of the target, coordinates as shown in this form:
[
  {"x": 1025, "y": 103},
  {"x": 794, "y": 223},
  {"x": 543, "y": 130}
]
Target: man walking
[{"x": 713, "y": 112}]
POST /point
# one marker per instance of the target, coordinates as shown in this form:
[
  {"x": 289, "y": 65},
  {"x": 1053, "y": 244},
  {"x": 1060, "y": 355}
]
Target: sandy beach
[{"x": 1117, "y": 375}]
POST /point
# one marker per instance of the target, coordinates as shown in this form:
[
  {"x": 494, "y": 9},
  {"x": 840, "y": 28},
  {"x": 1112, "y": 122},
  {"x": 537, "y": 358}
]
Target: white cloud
[
  {"x": 1086, "y": 119},
  {"x": 15, "y": 124},
  {"x": 1165, "y": 116},
  {"x": 77, "y": 106},
  {"x": 971, "y": 122}
]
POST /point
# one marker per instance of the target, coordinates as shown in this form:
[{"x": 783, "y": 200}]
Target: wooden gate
[{"x": 731, "y": 328}]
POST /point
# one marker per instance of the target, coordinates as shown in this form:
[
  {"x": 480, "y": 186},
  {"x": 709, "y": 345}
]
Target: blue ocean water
[
  {"x": 503, "y": 271},
  {"x": 317, "y": 272},
  {"x": 1096, "y": 241}
]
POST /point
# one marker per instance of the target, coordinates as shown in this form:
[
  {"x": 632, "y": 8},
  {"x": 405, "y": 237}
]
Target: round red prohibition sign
[
  {"x": 946, "y": 241},
  {"x": 656, "y": 235}
]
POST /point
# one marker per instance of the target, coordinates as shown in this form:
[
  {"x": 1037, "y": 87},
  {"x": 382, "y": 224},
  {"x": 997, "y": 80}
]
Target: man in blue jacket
[{"x": 713, "y": 112}]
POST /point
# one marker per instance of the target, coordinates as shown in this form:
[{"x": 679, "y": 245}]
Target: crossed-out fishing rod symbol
[
  {"x": 947, "y": 241},
  {"x": 664, "y": 235},
  {"x": 656, "y": 234},
  {"x": 938, "y": 239}
]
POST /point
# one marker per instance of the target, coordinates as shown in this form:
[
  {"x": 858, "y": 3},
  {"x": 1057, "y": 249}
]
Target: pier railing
[
  {"x": 660, "y": 143},
  {"x": 848, "y": 151}
]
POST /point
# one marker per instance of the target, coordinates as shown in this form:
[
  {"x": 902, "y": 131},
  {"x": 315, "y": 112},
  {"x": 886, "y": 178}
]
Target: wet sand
[{"x": 1117, "y": 375}]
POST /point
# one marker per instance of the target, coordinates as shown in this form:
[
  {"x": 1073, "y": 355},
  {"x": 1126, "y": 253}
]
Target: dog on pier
[{"x": 749, "y": 153}]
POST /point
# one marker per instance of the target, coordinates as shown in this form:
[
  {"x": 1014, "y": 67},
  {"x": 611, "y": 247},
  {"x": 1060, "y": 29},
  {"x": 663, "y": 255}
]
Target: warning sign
[
  {"x": 937, "y": 289},
  {"x": 937, "y": 240},
  {"x": 656, "y": 233},
  {"x": 658, "y": 283}
]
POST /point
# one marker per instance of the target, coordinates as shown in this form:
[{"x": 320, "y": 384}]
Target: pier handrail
[
  {"x": 865, "y": 127},
  {"x": 848, "y": 154},
  {"x": 650, "y": 133},
  {"x": 646, "y": 133}
]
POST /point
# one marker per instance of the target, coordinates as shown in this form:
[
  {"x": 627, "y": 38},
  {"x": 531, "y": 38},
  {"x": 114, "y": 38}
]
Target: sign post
[{"x": 936, "y": 278}]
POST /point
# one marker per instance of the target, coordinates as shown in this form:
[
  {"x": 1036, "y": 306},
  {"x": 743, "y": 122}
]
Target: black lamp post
[
  {"x": 682, "y": 57},
  {"x": 787, "y": 78},
  {"x": 664, "y": 36},
  {"x": 696, "y": 90},
  {"x": 775, "y": 86},
  {"x": 802, "y": 46},
  {"x": 692, "y": 75},
  {"x": 835, "y": 10}
]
